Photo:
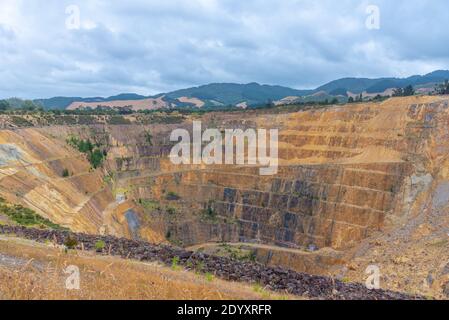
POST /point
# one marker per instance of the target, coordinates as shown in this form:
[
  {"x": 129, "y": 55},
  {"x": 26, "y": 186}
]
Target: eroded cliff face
[
  {"x": 346, "y": 173},
  {"x": 32, "y": 164}
]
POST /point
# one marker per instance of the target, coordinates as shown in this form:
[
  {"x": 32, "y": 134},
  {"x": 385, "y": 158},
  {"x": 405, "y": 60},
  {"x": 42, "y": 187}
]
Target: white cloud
[{"x": 154, "y": 46}]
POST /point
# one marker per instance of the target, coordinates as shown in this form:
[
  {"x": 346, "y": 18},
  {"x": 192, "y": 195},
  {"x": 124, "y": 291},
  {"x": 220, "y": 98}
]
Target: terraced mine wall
[
  {"x": 345, "y": 173},
  {"x": 277, "y": 279},
  {"x": 324, "y": 205},
  {"x": 31, "y": 174}
]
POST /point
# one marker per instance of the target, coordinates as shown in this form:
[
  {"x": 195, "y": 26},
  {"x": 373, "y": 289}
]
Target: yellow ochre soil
[{"x": 29, "y": 270}]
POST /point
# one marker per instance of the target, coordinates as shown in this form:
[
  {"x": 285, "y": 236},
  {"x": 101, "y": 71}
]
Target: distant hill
[
  {"x": 225, "y": 94},
  {"x": 64, "y": 102},
  {"x": 359, "y": 85},
  {"x": 233, "y": 94}
]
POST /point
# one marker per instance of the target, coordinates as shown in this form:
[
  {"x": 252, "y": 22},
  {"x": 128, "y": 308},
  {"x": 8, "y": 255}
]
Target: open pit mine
[{"x": 357, "y": 185}]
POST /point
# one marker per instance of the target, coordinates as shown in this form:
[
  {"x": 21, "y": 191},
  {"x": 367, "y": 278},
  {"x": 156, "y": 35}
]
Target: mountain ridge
[{"x": 226, "y": 94}]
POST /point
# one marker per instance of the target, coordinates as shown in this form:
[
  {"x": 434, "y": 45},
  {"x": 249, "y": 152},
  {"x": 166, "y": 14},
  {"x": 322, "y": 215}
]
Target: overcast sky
[{"x": 153, "y": 46}]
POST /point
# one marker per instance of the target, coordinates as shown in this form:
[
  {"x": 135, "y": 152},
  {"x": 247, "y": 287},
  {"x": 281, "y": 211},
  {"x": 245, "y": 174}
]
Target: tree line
[{"x": 19, "y": 104}]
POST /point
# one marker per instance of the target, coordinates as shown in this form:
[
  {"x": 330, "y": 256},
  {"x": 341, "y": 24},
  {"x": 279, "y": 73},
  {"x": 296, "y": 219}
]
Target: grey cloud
[{"x": 158, "y": 46}]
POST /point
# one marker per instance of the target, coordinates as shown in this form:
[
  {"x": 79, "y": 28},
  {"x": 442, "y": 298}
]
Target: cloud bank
[{"x": 153, "y": 46}]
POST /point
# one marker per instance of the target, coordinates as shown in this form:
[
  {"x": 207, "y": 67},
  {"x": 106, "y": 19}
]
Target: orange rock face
[{"x": 346, "y": 172}]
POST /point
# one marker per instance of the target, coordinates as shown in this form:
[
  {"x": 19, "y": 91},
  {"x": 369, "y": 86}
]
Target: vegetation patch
[
  {"x": 26, "y": 217},
  {"x": 404, "y": 92},
  {"x": 209, "y": 215},
  {"x": 149, "y": 204},
  {"x": 175, "y": 263},
  {"x": 172, "y": 196},
  {"x": 443, "y": 88},
  {"x": 109, "y": 178},
  {"x": 65, "y": 173},
  {"x": 236, "y": 253},
  {"x": 100, "y": 245},
  {"x": 148, "y": 138},
  {"x": 209, "y": 277},
  {"x": 95, "y": 155},
  {"x": 118, "y": 120},
  {"x": 71, "y": 243},
  {"x": 21, "y": 122}
]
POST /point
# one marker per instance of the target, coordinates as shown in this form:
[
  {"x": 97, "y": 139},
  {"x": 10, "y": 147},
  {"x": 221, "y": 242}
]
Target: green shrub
[
  {"x": 108, "y": 179},
  {"x": 175, "y": 263},
  {"x": 200, "y": 266},
  {"x": 171, "y": 211},
  {"x": 84, "y": 146},
  {"x": 149, "y": 204},
  {"x": 172, "y": 196},
  {"x": 209, "y": 214},
  {"x": 209, "y": 277},
  {"x": 71, "y": 243},
  {"x": 65, "y": 173},
  {"x": 100, "y": 245},
  {"x": 148, "y": 138},
  {"x": 96, "y": 158},
  {"x": 94, "y": 155},
  {"x": 258, "y": 288}
]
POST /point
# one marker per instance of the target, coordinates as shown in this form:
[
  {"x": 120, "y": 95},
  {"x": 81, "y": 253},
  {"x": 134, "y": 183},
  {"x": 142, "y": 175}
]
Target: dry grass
[{"x": 40, "y": 275}]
